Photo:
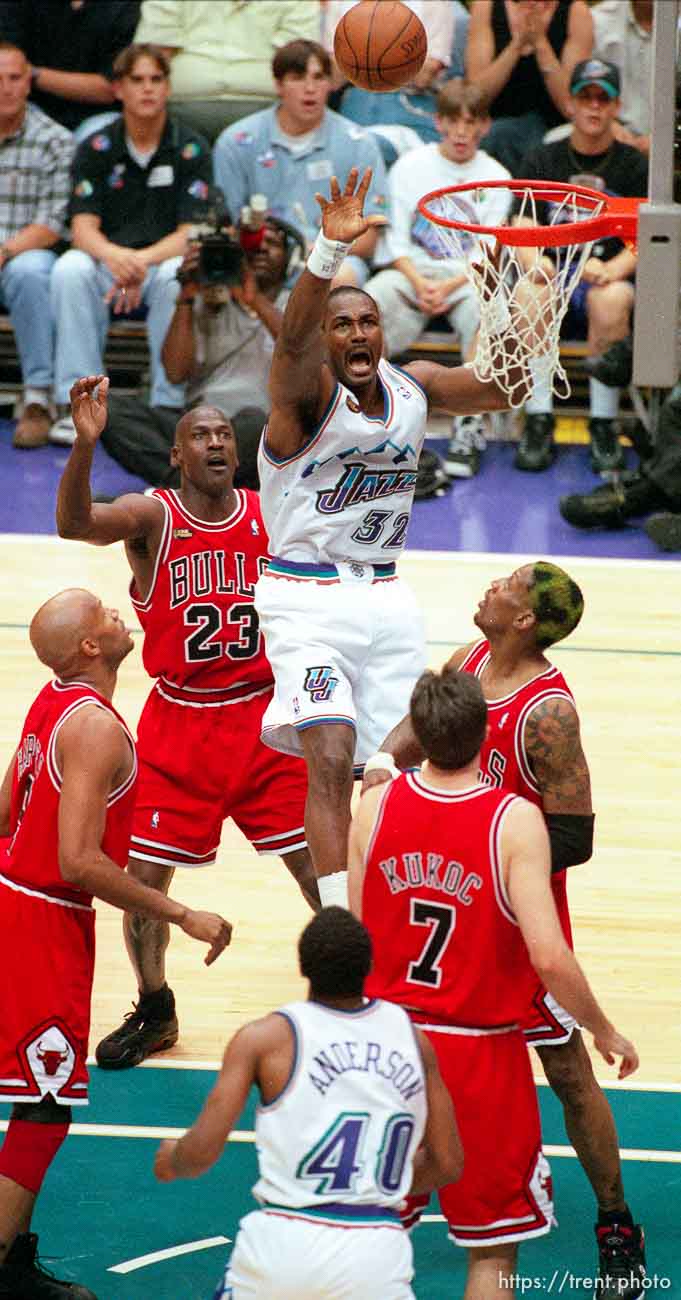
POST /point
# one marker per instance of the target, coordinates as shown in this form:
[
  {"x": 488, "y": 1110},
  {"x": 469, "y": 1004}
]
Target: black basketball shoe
[
  {"x": 607, "y": 452},
  {"x": 536, "y": 449},
  {"x": 664, "y": 530},
  {"x": 151, "y": 1027},
  {"x": 621, "y": 1261},
  {"x": 23, "y": 1278}
]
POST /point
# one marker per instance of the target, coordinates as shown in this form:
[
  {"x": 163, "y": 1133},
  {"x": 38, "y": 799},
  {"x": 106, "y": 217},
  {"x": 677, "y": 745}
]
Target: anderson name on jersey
[{"x": 347, "y": 494}]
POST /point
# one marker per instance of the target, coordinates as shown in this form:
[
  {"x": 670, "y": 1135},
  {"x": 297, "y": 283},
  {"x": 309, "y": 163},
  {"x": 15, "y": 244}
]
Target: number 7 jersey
[{"x": 201, "y": 633}]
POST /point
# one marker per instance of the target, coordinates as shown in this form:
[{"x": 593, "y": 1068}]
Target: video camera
[{"x": 221, "y": 250}]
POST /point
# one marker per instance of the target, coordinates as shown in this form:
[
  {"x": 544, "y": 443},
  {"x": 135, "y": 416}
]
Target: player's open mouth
[
  {"x": 360, "y": 359},
  {"x": 217, "y": 463}
]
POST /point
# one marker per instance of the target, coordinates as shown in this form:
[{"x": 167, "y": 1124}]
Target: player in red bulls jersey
[
  {"x": 451, "y": 876},
  {"x": 67, "y": 801},
  {"x": 195, "y": 556},
  {"x": 534, "y": 749}
]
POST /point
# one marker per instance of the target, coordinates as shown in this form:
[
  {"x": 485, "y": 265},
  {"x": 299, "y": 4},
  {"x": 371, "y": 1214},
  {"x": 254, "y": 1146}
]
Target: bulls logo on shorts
[
  {"x": 320, "y": 683},
  {"x": 50, "y": 1058}
]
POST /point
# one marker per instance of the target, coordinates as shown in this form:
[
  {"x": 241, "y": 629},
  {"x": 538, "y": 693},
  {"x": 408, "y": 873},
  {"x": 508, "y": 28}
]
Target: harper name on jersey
[
  {"x": 318, "y": 504},
  {"x": 200, "y": 624},
  {"x": 33, "y": 856}
]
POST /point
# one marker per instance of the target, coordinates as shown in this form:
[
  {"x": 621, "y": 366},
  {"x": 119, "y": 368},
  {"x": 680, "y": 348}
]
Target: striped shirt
[{"x": 35, "y": 175}]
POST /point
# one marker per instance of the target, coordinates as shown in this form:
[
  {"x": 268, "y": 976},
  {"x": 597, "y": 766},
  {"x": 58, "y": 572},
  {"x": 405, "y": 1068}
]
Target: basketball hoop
[{"x": 524, "y": 291}]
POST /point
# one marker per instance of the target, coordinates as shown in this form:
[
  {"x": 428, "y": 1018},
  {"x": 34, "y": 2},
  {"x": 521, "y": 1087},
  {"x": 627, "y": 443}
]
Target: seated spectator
[
  {"x": 71, "y": 46},
  {"x": 291, "y": 151},
  {"x": 412, "y": 106},
  {"x": 222, "y": 53},
  {"x": 603, "y": 299},
  {"x": 138, "y": 185},
  {"x": 462, "y": 22},
  {"x": 521, "y": 53},
  {"x": 35, "y": 182},
  {"x": 219, "y": 342},
  {"x": 423, "y": 281},
  {"x": 623, "y": 36},
  {"x": 654, "y": 487}
]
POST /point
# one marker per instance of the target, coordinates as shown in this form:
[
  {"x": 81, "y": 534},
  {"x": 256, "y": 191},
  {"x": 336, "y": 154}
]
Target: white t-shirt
[{"x": 424, "y": 169}]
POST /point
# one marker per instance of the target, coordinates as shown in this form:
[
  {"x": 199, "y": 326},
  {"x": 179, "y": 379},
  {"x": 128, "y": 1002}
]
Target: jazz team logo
[{"x": 320, "y": 683}]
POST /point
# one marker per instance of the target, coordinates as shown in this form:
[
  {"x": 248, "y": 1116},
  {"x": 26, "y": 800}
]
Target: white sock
[
  {"x": 541, "y": 401},
  {"x": 333, "y": 889},
  {"x": 37, "y": 397},
  {"x": 604, "y": 402}
]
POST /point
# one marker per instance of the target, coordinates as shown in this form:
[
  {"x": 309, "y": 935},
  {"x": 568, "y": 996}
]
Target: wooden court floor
[{"x": 623, "y": 666}]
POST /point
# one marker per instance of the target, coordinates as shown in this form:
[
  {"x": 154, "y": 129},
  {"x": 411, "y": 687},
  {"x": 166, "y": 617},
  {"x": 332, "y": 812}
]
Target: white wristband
[
  {"x": 382, "y": 762},
  {"x": 333, "y": 889},
  {"x": 326, "y": 256}
]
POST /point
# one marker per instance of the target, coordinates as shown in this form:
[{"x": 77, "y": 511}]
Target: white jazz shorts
[
  {"x": 280, "y": 1258},
  {"x": 344, "y": 649}
]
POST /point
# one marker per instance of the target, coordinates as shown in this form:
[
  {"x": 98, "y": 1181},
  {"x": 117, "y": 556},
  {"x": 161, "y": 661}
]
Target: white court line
[
  {"x": 171, "y": 1252},
  {"x": 137, "y": 1131},
  {"x": 624, "y": 1085},
  {"x": 248, "y": 1135}
]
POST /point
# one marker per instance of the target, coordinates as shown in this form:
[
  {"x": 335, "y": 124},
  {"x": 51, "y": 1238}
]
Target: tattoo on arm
[{"x": 554, "y": 749}]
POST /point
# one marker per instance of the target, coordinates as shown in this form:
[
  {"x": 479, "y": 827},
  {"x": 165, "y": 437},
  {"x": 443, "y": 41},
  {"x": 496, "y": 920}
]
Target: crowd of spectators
[{"x": 127, "y": 121}]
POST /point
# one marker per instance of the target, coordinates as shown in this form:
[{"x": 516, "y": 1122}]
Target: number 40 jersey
[
  {"x": 201, "y": 632},
  {"x": 342, "y": 1135}
]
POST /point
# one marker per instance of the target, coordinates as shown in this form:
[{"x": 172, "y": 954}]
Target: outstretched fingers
[{"x": 363, "y": 187}]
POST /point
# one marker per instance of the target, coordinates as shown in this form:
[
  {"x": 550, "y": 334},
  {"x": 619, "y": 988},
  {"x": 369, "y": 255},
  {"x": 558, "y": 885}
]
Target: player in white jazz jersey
[
  {"x": 353, "y": 1116},
  {"x": 337, "y": 466}
]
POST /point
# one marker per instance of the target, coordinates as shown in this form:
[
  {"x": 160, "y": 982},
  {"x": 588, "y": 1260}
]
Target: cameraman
[{"x": 219, "y": 342}]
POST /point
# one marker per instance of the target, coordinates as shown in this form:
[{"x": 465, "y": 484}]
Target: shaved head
[
  {"x": 60, "y": 625},
  {"x": 76, "y": 636}
]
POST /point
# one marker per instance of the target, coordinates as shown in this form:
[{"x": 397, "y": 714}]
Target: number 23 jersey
[{"x": 201, "y": 631}]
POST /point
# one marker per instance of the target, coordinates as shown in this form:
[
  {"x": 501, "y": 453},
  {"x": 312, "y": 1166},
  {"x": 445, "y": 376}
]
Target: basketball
[{"x": 380, "y": 45}]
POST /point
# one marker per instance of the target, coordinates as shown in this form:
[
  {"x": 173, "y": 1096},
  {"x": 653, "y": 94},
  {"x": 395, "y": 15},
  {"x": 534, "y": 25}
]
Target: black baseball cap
[{"x": 596, "y": 72}]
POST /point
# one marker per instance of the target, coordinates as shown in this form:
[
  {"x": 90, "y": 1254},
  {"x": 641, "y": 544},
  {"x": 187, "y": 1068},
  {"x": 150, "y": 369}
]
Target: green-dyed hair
[{"x": 556, "y": 602}]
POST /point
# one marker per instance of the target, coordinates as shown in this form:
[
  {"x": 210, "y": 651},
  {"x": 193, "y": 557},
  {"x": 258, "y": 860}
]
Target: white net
[{"x": 523, "y": 293}]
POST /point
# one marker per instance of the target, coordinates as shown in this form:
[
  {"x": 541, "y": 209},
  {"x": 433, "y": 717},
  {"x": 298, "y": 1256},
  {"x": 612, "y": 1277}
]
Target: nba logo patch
[
  {"x": 295, "y": 703},
  {"x": 254, "y": 528},
  {"x": 155, "y": 819}
]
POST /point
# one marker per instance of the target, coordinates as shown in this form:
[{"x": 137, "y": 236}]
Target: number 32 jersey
[
  {"x": 347, "y": 494},
  {"x": 201, "y": 632}
]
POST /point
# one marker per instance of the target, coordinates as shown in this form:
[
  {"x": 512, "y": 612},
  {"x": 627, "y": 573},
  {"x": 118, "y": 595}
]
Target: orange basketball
[{"x": 380, "y": 44}]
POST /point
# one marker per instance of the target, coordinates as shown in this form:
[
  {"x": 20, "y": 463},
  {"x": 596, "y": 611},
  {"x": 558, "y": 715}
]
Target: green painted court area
[{"x": 102, "y": 1209}]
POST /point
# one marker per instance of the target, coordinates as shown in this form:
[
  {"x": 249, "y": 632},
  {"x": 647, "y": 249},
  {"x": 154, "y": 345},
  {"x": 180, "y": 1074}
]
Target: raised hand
[
  {"x": 88, "y": 397},
  {"x": 343, "y": 214}
]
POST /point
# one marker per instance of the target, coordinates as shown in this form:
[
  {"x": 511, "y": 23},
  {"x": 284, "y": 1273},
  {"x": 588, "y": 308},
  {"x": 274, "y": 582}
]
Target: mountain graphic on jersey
[{"x": 402, "y": 453}]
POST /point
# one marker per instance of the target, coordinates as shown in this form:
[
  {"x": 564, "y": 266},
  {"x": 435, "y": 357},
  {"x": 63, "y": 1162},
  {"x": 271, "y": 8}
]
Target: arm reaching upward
[
  {"x": 300, "y": 383},
  {"x": 77, "y": 517}
]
